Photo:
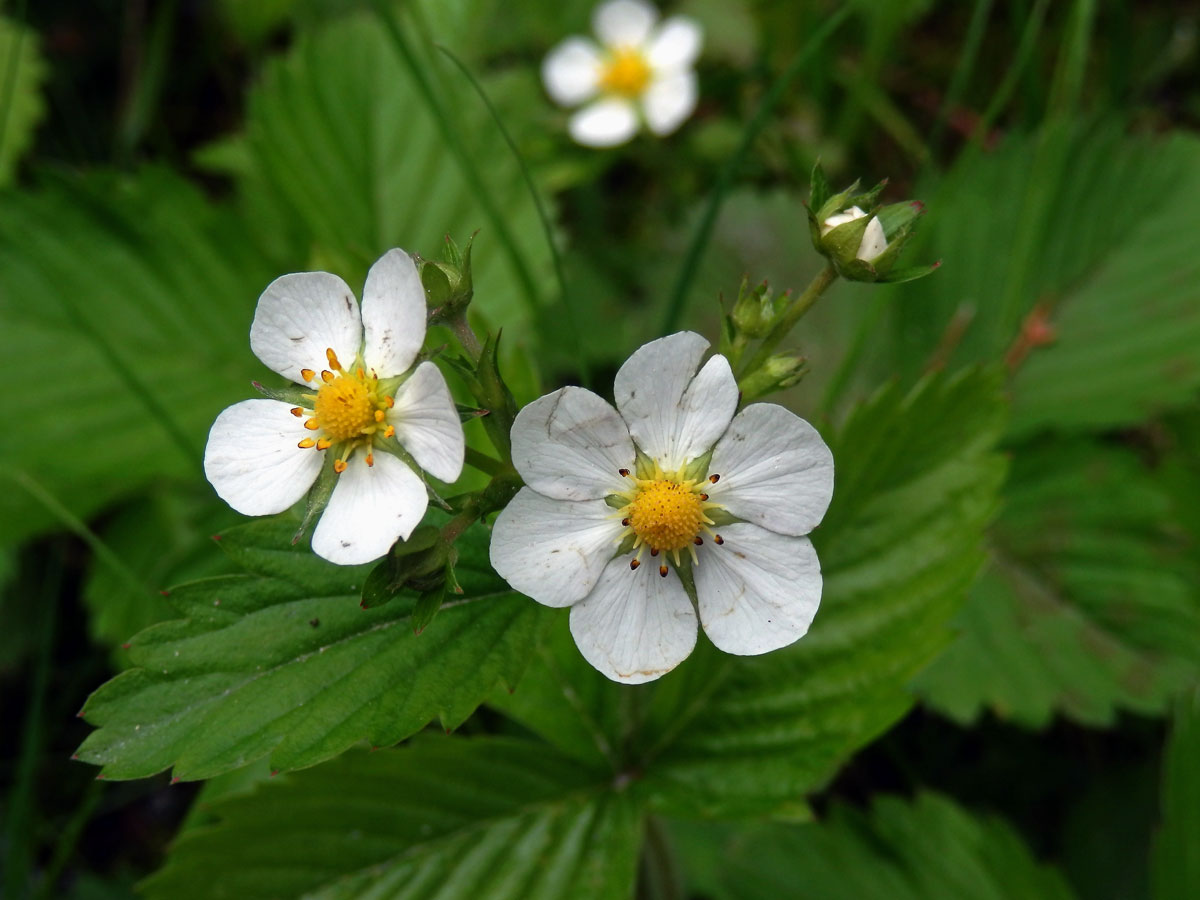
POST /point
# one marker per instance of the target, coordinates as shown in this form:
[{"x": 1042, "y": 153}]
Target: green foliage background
[{"x": 999, "y": 696}]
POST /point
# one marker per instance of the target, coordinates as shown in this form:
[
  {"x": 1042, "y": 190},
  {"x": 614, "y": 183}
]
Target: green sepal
[
  {"x": 293, "y": 394},
  {"x": 437, "y": 285},
  {"x": 495, "y": 396},
  {"x": 723, "y": 517},
  {"x": 616, "y": 501},
  {"x": 697, "y": 469},
  {"x": 909, "y": 273},
  {"x": 467, "y": 413},
  {"x": 686, "y": 577},
  {"x": 449, "y": 284},
  {"x": 818, "y": 188},
  {"x": 427, "y": 607},
  {"x": 842, "y": 243},
  {"x": 418, "y": 563},
  {"x": 643, "y": 466},
  {"x": 318, "y": 494}
]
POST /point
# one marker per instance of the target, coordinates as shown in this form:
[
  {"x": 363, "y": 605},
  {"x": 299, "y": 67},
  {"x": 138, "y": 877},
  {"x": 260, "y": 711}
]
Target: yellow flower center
[
  {"x": 666, "y": 515},
  {"x": 347, "y": 409},
  {"x": 626, "y": 74},
  {"x": 344, "y": 408}
]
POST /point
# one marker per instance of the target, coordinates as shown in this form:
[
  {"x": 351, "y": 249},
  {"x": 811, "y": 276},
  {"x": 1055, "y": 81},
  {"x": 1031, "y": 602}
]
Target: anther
[
  {"x": 307, "y": 374},
  {"x": 390, "y": 431},
  {"x": 297, "y": 411},
  {"x": 306, "y": 443},
  {"x": 624, "y": 473},
  {"x": 704, "y": 496},
  {"x": 625, "y": 522},
  {"x": 714, "y": 478},
  {"x": 389, "y": 402},
  {"x": 662, "y": 570},
  {"x": 327, "y": 376},
  {"x": 654, "y": 551},
  {"x": 697, "y": 540},
  {"x": 339, "y": 466},
  {"x": 362, "y": 376},
  {"x": 312, "y": 424},
  {"x": 634, "y": 563},
  {"x": 718, "y": 539},
  {"x": 333, "y": 360},
  {"x": 324, "y": 443},
  {"x": 379, "y": 415},
  {"x": 370, "y": 459}
]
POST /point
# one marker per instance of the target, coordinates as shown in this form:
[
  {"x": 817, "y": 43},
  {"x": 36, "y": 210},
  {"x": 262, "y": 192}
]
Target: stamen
[
  {"x": 370, "y": 459},
  {"x": 704, "y": 496},
  {"x": 662, "y": 570},
  {"x": 714, "y": 478},
  {"x": 634, "y": 563},
  {"x": 654, "y": 551},
  {"x": 324, "y": 443},
  {"x": 307, "y": 374},
  {"x": 389, "y": 402},
  {"x": 327, "y": 376},
  {"x": 362, "y": 376},
  {"x": 718, "y": 539},
  {"x": 297, "y": 411},
  {"x": 339, "y": 466},
  {"x": 333, "y": 360},
  {"x": 312, "y": 424},
  {"x": 625, "y": 522},
  {"x": 624, "y": 473},
  {"x": 379, "y": 415},
  {"x": 390, "y": 431},
  {"x": 698, "y": 541},
  {"x": 306, "y": 443}
]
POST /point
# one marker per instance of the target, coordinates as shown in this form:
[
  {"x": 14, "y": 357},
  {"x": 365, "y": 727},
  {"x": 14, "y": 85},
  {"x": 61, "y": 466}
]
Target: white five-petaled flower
[
  {"x": 874, "y": 240},
  {"x": 640, "y": 71},
  {"x": 616, "y": 498},
  {"x": 264, "y": 455}
]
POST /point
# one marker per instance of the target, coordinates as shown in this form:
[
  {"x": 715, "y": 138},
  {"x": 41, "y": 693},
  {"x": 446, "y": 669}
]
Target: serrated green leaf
[
  {"x": 916, "y": 484},
  {"x": 488, "y": 818},
  {"x": 1175, "y": 864},
  {"x": 1114, "y": 264},
  {"x": 1089, "y": 604},
  {"x": 106, "y": 273},
  {"x": 283, "y": 661},
  {"x": 342, "y": 145},
  {"x": 929, "y": 849},
  {"x": 22, "y": 71}
]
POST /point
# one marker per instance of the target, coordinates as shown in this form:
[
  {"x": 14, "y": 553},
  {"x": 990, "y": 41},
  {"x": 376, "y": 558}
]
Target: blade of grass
[
  {"x": 454, "y": 141},
  {"x": 547, "y": 228},
  {"x": 10, "y": 74},
  {"x": 962, "y": 72},
  {"x": 708, "y": 218},
  {"x": 1021, "y": 59}
]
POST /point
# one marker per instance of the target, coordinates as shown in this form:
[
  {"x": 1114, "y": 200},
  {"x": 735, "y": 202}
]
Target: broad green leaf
[
  {"x": 22, "y": 71},
  {"x": 929, "y": 849},
  {"x": 341, "y": 144},
  {"x": 129, "y": 299},
  {"x": 282, "y": 661},
  {"x": 487, "y": 818},
  {"x": 1089, "y": 604},
  {"x": 915, "y": 486},
  {"x": 1175, "y": 867},
  {"x": 1113, "y": 265}
]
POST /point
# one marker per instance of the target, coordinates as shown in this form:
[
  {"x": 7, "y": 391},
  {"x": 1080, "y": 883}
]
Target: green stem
[
  {"x": 454, "y": 141},
  {"x": 543, "y": 216},
  {"x": 466, "y": 336},
  {"x": 762, "y": 115},
  {"x": 783, "y": 327},
  {"x": 489, "y": 465}
]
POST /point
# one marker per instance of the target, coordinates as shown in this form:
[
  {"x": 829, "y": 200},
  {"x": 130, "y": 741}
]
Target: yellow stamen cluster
[
  {"x": 626, "y": 73},
  {"x": 667, "y": 513},
  {"x": 347, "y": 409}
]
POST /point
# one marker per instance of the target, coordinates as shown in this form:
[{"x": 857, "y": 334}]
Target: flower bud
[
  {"x": 861, "y": 238},
  {"x": 755, "y": 310},
  {"x": 776, "y": 373},
  {"x": 448, "y": 283}
]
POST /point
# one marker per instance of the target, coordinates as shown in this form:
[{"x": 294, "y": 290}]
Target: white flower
[
  {"x": 641, "y": 70},
  {"x": 264, "y": 455},
  {"x": 615, "y": 500},
  {"x": 874, "y": 241}
]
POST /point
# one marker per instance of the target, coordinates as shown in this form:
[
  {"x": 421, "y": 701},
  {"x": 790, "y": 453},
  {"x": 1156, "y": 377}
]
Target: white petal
[
  {"x": 758, "y": 591},
  {"x": 675, "y": 413},
  {"x": 299, "y": 317},
  {"x": 841, "y": 219},
  {"x": 252, "y": 459},
  {"x": 604, "y": 123},
  {"x": 874, "y": 241},
  {"x": 775, "y": 470},
  {"x": 393, "y": 314},
  {"x": 669, "y": 100},
  {"x": 553, "y": 550},
  {"x": 427, "y": 423},
  {"x": 371, "y": 507},
  {"x": 675, "y": 44},
  {"x": 571, "y": 445},
  {"x": 571, "y": 71},
  {"x": 624, "y": 23},
  {"x": 635, "y": 626}
]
